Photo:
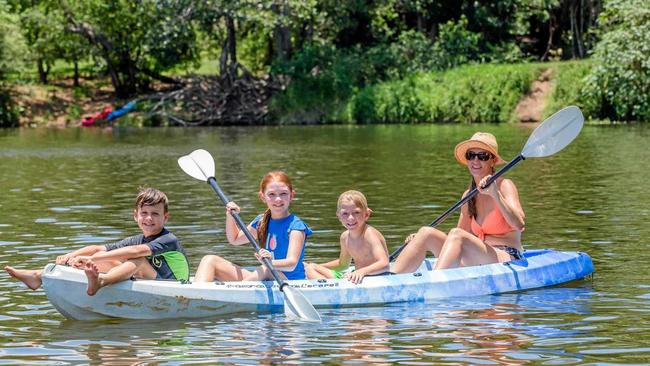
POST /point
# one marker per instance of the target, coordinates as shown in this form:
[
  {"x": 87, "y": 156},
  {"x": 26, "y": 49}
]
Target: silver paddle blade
[
  {"x": 198, "y": 164},
  {"x": 296, "y": 305},
  {"x": 555, "y": 133}
]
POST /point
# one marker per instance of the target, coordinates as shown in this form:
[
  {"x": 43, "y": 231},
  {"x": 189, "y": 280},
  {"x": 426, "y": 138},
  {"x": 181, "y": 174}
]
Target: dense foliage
[
  {"x": 618, "y": 86},
  {"x": 476, "y": 93},
  {"x": 357, "y": 61},
  {"x": 9, "y": 52}
]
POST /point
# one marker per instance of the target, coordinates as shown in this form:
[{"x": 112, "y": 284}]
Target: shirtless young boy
[{"x": 360, "y": 242}]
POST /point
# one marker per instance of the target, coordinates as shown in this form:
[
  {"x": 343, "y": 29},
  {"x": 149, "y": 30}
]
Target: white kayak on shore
[{"x": 155, "y": 299}]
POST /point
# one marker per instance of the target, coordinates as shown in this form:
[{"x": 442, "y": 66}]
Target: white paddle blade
[
  {"x": 296, "y": 305},
  {"x": 198, "y": 164},
  {"x": 555, "y": 133}
]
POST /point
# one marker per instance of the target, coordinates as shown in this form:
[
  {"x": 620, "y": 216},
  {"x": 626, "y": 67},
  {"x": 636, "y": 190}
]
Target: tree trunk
[
  {"x": 121, "y": 67},
  {"x": 76, "y": 73},
  {"x": 281, "y": 32},
  {"x": 229, "y": 50},
  {"x": 575, "y": 12},
  {"x": 421, "y": 23},
  {"x": 43, "y": 70},
  {"x": 551, "y": 31}
]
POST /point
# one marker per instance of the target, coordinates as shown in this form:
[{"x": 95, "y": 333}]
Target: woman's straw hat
[{"x": 480, "y": 140}]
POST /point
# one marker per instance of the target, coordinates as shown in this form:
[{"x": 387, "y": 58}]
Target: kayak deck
[{"x": 149, "y": 299}]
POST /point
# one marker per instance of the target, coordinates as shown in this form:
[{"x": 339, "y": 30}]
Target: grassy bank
[
  {"x": 474, "y": 93},
  {"x": 568, "y": 81},
  {"x": 467, "y": 94}
]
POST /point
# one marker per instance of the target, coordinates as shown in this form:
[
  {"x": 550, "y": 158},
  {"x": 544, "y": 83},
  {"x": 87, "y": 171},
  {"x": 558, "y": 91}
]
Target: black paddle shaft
[
  {"x": 464, "y": 200},
  {"x": 267, "y": 262}
]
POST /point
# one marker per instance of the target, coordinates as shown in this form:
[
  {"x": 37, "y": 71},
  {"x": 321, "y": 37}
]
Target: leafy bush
[
  {"x": 619, "y": 83},
  {"x": 471, "y": 93},
  {"x": 455, "y": 45},
  {"x": 13, "y": 50},
  {"x": 8, "y": 114},
  {"x": 321, "y": 80}
]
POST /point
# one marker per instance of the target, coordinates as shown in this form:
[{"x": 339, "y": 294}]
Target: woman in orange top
[{"x": 490, "y": 224}]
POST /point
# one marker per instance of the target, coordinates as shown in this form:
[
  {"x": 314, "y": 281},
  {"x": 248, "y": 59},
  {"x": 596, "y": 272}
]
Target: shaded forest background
[{"x": 217, "y": 62}]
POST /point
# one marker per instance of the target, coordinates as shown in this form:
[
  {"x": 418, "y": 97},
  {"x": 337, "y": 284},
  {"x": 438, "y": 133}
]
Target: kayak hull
[{"x": 147, "y": 299}]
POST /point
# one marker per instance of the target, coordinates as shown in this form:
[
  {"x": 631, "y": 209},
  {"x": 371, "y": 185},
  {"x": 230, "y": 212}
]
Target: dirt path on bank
[
  {"x": 531, "y": 107},
  {"x": 57, "y": 104}
]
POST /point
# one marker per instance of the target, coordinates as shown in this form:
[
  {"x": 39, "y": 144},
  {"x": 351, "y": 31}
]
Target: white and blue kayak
[{"x": 149, "y": 299}]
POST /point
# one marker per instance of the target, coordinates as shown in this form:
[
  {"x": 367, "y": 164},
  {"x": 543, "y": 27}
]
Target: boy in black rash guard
[{"x": 154, "y": 254}]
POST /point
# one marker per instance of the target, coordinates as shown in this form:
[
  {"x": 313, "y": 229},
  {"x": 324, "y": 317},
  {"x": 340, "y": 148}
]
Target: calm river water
[{"x": 62, "y": 189}]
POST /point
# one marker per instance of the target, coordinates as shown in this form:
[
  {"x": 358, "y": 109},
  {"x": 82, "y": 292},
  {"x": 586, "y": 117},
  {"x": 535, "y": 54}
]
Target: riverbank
[{"x": 489, "y": 93}]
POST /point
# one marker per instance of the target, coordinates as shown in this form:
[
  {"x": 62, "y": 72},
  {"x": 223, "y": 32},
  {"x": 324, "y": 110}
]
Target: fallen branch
[{"x": 216, "y": 100}]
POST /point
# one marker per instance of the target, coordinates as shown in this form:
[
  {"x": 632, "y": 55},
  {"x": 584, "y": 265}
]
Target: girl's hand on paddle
[
  {"x": 232, "y": 206},
  {"x": 409, "y": 238},
  {"x": 355, "y": 277},
  {"x": 263, "y": 253},
  {"x": 490, "y": 190}
]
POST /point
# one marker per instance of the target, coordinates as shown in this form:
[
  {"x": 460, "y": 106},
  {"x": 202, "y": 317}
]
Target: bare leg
[
  {"x": 261, "y": 273},
  {"x": 106, "y": 266},
  {"x": 30, "y": 277},
  {"x": 138, "y": 267},
  {"x": 315, "y": 271},
  {"x": 462, "y": 249},
  {"x": 214, "y": 267},
  {"x": 426, "y": 239},
  {"x": 94, "y": 283}
]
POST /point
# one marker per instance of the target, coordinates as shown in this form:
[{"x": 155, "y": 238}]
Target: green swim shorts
[{"x": 337, "y": 274}]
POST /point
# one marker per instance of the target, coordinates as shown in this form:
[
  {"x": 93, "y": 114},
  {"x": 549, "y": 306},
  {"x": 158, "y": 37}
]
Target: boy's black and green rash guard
[{"x": 168, "y": 257}]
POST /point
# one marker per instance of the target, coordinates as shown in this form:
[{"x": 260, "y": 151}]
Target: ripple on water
[
  {"x": 612, "y": 351},
  {"x": 60, "y": 209},
  {"x": 602, "y": 242},
  {"x": 86, "y": 207},
  {"x": 92, "y": 239},
  {"x": 45, "y": 220}
]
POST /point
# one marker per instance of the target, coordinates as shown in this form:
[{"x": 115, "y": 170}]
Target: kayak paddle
[
  {"x": 553, "y": 135},
  {"x": 200, "y": 165}
]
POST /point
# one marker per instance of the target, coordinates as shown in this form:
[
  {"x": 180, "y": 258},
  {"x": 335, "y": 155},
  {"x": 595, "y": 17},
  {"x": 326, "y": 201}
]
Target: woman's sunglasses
[{"x": 482, "y": 156}]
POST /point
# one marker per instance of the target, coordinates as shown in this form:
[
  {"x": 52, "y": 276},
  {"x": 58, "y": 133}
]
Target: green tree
[
  {"x": 136, "y": 41},
  {"x": 619, "y": 83},
  {"x": 42, "y": 30},
  {"x": 11, "y": 50}
]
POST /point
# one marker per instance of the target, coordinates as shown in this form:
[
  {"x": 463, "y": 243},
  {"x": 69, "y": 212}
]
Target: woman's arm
[
  {"x": 464, "y": 221},
  {"x": 507, "y": 197}
]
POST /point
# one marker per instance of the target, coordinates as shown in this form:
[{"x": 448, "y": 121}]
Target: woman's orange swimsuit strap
[{"x": 494, "y": 224}]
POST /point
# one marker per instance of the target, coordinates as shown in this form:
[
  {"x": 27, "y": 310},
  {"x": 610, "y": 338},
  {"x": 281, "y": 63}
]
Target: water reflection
[{"x": 505, "y": 329}]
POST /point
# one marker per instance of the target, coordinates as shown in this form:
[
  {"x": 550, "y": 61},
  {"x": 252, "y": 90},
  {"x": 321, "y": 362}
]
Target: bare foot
[
  {"x": 30, "y": 277},
  {"x": 94, "y": 282}
]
